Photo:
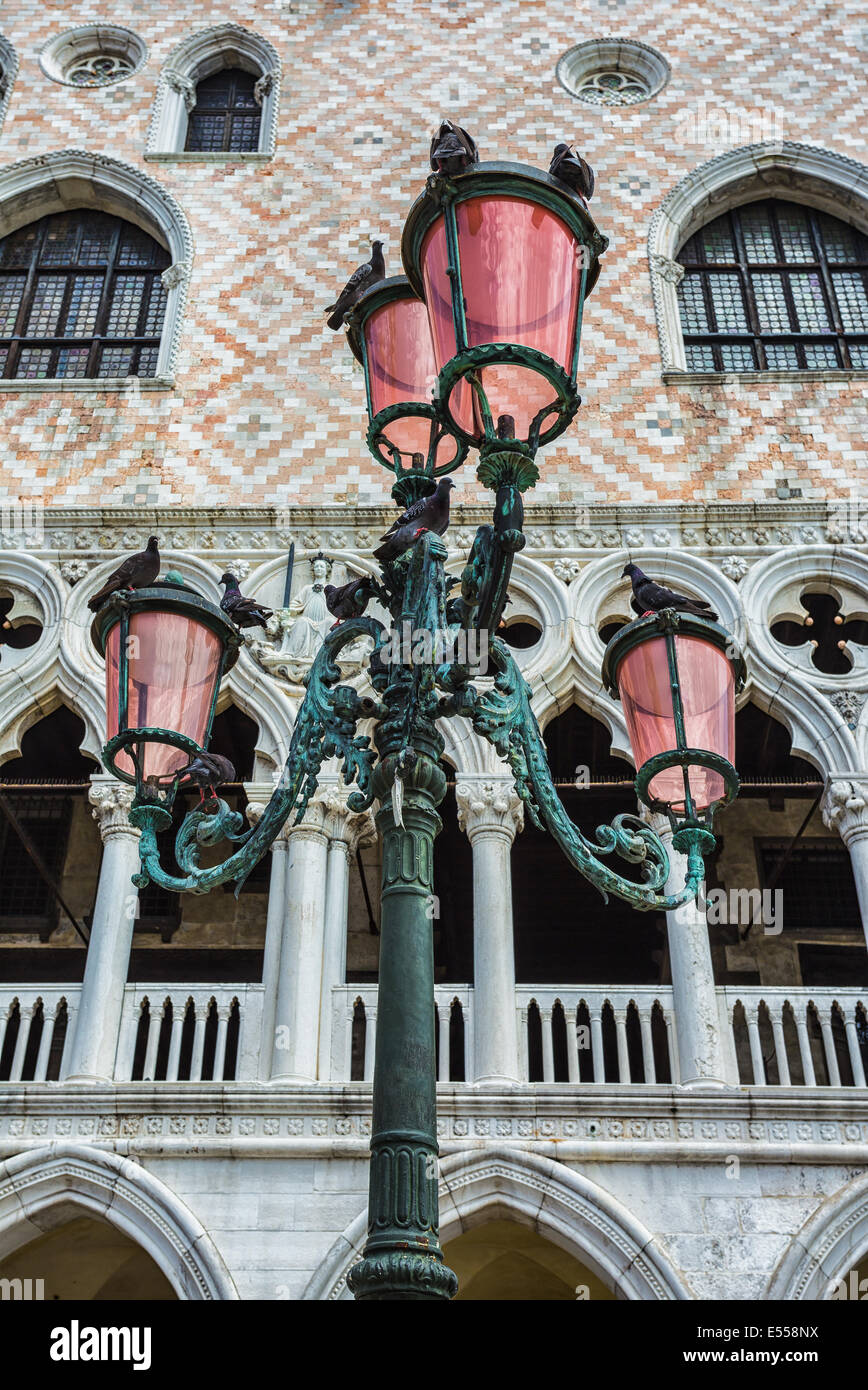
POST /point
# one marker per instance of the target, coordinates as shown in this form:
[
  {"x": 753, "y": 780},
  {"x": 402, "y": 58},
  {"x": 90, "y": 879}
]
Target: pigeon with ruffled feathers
[
  {"x": 244, "y": 612},
  {"x": 453, "y": 151},
  {"x": 572, "y": 170},
  {"x": 650, "y": 597},
  {"x": 137, "y": 572},
  {"x": 362, "y": 279}
]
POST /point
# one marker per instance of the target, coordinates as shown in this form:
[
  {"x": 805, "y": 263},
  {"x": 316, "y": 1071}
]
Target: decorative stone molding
[
  {"x": 849, "y": 705},
  {"x": 177, "y": 274},
  {"x": 342, "y": 825},
  {"x": 488, "y": 805},
  {"x": 845, "y": 808},
  {"x": 197, "y": 57},
  {"x": 93, "y": 1181},
  {"x": 735, "y": 567},
  {"x": 8, "y": 74},
  {"x": 51, "y": 183},
  {"x": 785, "y": 169},
  {"x": 110, "y": 802}
]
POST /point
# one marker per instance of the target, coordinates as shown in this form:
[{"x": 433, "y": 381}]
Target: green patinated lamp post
[{"x": 499, "y": 261}]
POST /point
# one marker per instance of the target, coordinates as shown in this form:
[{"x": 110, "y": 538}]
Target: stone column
[
  {"x": 845, "y": 809},
  {"x": 258, "y": 795},
  {"x": 95, "y": 1039},
  {"x": 296, "y": 1020},
  {"x": 702, "y": 1051},
  {"x": 344, "y": 830},
  {"x": 490, "y": 812}
]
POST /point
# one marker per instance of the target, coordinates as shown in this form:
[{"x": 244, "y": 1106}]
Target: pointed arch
[
  {"x": 198, "y": 56},
  {"x": 40, "y": 1187},
  {"x": 822, "y": 178},
  {"x": 70, "y": 179},
  {"x": 504, "y": 1182},
  {"x": 829, "y": 1244}
]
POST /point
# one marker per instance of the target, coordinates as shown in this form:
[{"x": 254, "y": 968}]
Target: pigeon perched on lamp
[
  {"x": 244, "y": 612},
  {"x": 206, "y": 771},
  {"x": 650, "y": 597},
  {"x": 572, "y": 170},
  {"x": 368, "y": 274},
  {"x": 136, "y": 572},
  {"x": 453, "y": 151},
  {"x": 349, "y": 600},
  {"x": 427, "y": 514}
]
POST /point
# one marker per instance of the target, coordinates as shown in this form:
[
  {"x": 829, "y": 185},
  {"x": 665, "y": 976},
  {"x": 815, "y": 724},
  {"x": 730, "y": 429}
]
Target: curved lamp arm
[
  {"x": 504, "y": 716},
  {"x": 325, "y": 728}
]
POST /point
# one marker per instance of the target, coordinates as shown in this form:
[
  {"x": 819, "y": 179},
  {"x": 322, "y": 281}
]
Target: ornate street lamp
[{"x": 499, "y": 262}]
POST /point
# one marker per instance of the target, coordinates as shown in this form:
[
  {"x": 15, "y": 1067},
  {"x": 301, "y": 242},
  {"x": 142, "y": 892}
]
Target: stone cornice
[{"x": 572, "y": 1123}]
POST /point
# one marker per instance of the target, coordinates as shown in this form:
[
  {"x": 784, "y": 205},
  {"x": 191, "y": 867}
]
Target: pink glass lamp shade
[
  {"x": 521, "y": 279},
  {"x": 165, "y": 648},
  {"x": 173, "y": 664},
  {"x": 677, "y": 677},
  {"x": 390, "y": 336}
]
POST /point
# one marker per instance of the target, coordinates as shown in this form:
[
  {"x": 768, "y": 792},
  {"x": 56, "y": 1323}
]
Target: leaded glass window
[
  {"x": 773, "y": 286},
  {"x": 226, "y": 115},
  {"x": 81, "y": 295}
]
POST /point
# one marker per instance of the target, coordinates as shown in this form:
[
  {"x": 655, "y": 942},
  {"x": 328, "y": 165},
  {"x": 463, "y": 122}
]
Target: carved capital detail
[
  {"x": 845, "y": 808},
  {"x": 176, "y": 274},
  {"x": 183, "y": 86},
  {"x": 486, "y": 804},
  {"x": 263, "y": 87},
  {"x": 110, "y": 802},
  {"x": 668, "y": 270}
]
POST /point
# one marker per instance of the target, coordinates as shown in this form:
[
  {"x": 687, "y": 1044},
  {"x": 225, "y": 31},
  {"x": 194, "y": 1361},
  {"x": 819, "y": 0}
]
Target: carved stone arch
[
  {"x": 501, "y": 1182},
  {"x": 829, "y": 1244},
  {"x": 198, "y": 56},
  {"x": 70, "y": 179},
  {"x": 43, "y": 1187},
  {"x": 8, "y": 74},
  {"x": 821, "y": 178},
  {"x": 783, "y": 682}
]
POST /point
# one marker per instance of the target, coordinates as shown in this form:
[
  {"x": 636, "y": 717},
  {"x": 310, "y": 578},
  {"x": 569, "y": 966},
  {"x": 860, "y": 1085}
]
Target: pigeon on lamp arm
[
  {"x": 244, "y": 612},
  {"x": 349, "y": 600},
  {"x": 572, "y": 170},
  {"x": 429, "y": 513},
  {"x": 136, "y": 572},
  {"x": 650, "y": 597},
  {"x": 362, "y": 279}
]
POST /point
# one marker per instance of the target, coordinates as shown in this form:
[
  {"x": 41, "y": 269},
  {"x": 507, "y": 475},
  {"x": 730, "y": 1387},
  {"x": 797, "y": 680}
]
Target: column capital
[
  {"x": 351, "y": 828},
  {"x": 845, "y": 806},
  {"x": 110, "y": 806},
  {"x": 488, "y": 804}
]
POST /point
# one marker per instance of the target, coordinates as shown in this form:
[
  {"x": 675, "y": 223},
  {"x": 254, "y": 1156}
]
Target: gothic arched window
[
  {"x": 774, "y": 286},
  {"x": 227, "y": 113},
  {"x": 80, "y": 296}
]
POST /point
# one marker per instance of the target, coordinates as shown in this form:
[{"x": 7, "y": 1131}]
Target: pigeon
[
  {"x": 453, "y": 151},
  {"x": 429, "y": 513},
  {"x": 572, "y": 170},
  {"x": 360, "y": 280},
  {"x": 206, "y": 771},
  {"x": 649, "y": 597},
  {"x": 350, "y": 600},
  {"x": 244, "y": 612},
  {"x": 136, "y": 572}
]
